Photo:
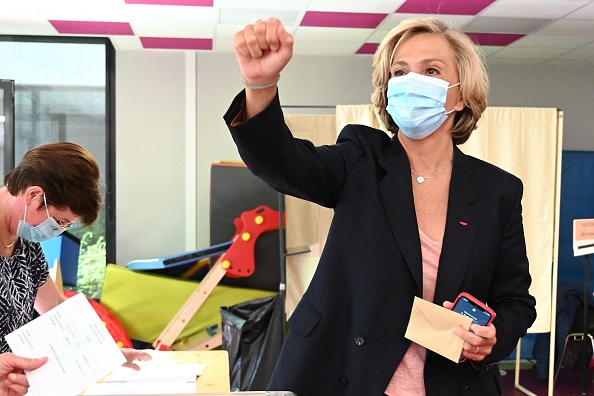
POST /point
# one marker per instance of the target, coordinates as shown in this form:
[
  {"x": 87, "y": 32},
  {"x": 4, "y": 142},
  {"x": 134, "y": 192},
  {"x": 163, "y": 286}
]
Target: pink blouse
[{"x": 408, "y": 377}]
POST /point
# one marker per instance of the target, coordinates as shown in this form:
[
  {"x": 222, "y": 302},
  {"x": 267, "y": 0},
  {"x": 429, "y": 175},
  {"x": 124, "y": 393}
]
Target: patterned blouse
[{"x": 21, "y": 275}]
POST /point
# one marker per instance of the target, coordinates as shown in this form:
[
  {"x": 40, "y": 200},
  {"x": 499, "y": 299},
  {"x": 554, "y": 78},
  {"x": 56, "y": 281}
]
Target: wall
[
  {"x": 155, "y": 153},
  {"x": 150, "y": 154}
]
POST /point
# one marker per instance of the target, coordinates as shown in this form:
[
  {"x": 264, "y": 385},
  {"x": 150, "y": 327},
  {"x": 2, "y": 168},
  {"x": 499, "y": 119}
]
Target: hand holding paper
[
  {"x": 79, "y": 348},
  {"x": 430, "y": 325}
]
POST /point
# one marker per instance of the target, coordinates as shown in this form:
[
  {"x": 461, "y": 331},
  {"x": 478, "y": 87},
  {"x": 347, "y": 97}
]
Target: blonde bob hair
[{"x": 474, "y": 81}]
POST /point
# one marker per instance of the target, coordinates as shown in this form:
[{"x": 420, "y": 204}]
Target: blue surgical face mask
[
  {"x": 43, "y": 232},
  {"x": 416, "y": 103}
]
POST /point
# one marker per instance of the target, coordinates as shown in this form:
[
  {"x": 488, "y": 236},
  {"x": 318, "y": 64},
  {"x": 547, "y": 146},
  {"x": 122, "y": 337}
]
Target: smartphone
[{"x": 469, "y": 306}]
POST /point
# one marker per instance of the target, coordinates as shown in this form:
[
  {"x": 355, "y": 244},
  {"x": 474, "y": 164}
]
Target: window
[{"x": 64, "y": 91}]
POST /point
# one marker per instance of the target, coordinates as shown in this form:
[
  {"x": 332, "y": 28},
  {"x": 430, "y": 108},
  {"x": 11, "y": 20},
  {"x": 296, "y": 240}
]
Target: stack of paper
[{"x": 157, "y": 376}]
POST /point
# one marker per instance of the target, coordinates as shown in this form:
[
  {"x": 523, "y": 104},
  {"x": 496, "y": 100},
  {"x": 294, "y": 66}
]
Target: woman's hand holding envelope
[{"x": 479, "y": 342}]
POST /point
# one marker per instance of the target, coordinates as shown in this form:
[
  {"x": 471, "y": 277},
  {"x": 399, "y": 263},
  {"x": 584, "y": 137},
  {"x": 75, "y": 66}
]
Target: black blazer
[{"x": 347, "y": 332}]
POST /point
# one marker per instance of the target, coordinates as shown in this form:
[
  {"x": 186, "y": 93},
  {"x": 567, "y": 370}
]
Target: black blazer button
[
  {"x": 464, "y": 389},
  {"x": 359, "y": 340},
  {"x": 342, "y": 382}
]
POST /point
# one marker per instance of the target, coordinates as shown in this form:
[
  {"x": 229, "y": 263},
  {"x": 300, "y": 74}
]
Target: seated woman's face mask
[
  {"x": 45, "y": 231},
  {"x": 417, "y": 103}
]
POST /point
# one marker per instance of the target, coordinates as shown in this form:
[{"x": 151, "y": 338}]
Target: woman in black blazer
[{"x": 414, "y": 216}]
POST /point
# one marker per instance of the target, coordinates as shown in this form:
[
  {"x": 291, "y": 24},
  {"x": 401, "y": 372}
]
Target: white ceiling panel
[
  {"x": 585, "y": 12},
  {"x": 547, "y": 41},
  {"x": 245, "y": 17},
  {"x": 545, "y": 9},
  {"x": 569, "y": 27},
  {"x": 184, "y": 30},
  {"x": 325, "y": 48},
  {"x": 332, "y": 34},
  {"x": 373, "y": 7},
  {"x": 504, "y": 25}
]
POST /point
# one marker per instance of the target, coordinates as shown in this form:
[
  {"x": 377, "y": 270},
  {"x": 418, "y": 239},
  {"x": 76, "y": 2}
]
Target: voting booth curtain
[{"x": 523, "y": 141}]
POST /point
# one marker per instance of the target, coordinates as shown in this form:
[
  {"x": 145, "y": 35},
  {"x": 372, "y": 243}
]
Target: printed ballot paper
[
  {"x": 430, "y": 325},
  {"x": 79, "y": 348},
  {"x": 583, "y": 237}
]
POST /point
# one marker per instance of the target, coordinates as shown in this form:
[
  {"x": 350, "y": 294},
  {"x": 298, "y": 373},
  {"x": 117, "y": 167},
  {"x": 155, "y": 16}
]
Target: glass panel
[{"x": 60, "y": 96}]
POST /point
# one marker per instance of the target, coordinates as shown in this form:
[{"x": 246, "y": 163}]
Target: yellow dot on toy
[
  {"x": 104, "y": 323},
  {"x": 246, "y": 236},
  {"x": 259, "y": 219},
  {"x": 120, "y": 344},
  {"x": 226, "y": 264}
]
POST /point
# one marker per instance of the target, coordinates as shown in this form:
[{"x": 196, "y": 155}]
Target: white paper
[
  {"x": 141, "y": 388},
  {"x": 161, "y": 375},
  {"x": 79, "y": 348}
]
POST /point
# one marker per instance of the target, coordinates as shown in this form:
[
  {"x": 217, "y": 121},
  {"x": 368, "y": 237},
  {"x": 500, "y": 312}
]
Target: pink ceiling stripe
[
  {"x": 176, "y": 43},
  {"x": 495, "y": 39},
  {"x": 444, "y": 7},
  {"x": 342, "y": 19},
  {"x": 87, "y": 27},
  {"x": 368, "y": 49},
  {"x": 195, "y": 3}
]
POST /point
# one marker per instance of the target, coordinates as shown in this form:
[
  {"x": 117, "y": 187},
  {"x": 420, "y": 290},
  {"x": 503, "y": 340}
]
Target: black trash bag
[{"x": 253, "y": 336}]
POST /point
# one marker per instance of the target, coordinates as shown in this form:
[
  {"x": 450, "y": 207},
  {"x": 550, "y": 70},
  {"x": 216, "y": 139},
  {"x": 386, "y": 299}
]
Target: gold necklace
[
  {"x": 11, "y": 243},
  {"x": 421, "y": 179}
]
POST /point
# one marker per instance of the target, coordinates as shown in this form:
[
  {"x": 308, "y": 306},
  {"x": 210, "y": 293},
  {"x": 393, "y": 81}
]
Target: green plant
[{"x": 91, "y": 265}]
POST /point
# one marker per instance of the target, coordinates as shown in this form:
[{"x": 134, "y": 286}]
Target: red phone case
[{"x": 478, "y": 303}]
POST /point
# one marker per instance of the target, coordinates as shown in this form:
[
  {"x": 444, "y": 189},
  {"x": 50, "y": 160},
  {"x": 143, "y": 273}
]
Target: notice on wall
[
  {"x": 583, "y": 237},
  {"x": 79, "y": 348}
]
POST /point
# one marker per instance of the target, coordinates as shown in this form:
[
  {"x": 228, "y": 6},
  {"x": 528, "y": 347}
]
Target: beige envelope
[{"x": 430, "y": 325}]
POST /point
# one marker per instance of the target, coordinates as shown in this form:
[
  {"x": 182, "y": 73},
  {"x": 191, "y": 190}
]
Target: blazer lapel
[
  {"x": 460, "y": 232},
  {"x": 396, "y": 194}
]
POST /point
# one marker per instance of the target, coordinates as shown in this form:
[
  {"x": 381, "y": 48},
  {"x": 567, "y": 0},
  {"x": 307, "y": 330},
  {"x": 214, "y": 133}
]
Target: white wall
[
  {"x": 150, "y": 167},
  {"x": 153, "y": 161}
]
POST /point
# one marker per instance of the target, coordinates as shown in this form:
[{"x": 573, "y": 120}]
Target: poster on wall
[{"x": 583, "y": 237}]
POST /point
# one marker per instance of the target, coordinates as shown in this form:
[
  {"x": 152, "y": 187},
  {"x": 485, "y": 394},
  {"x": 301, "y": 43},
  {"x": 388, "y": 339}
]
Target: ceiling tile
[
  {"x": 504, "y": 25},
  {"x": 172, "y": 15},
  {"x": 176, "y": 43},
  {"x": 153, "y": 29},
  {"x": 586, "y": 12},
  {"x": 376, "y": 6},
  {"x": 195, "y": 3},
  {"x": 342, "y": 19},
  {"x": 28, "y": 27},
  {"x": 453, "y": 20},
  {"x": 263, "y": 4},
  {"x": 245, "y": 17},
  {"x": 441, "y": 7},
  {"x": 325, "y": 48},
  {"x": 567, "y": 62},
  {"x": 89, "y": 10},
  {"x": 332, "y": 34},
  {"x": 544, "y": 9},
  {"x": 94, "y": 28},
  {"x": 496, "y": 39},
  {"x": 368, "y": 49},
  {"x": 568, "y": 27},
  {"x": 547, "y": 41},
  {"x": 528, "y": 53}
]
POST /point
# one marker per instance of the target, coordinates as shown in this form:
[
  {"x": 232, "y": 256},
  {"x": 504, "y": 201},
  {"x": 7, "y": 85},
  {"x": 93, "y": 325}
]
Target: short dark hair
[{"x": 68, "y": 174}]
